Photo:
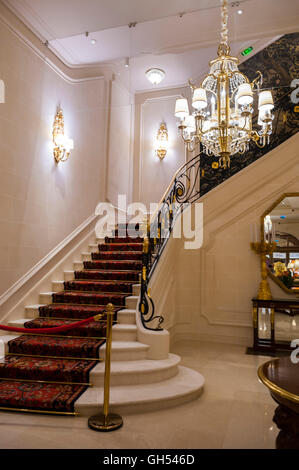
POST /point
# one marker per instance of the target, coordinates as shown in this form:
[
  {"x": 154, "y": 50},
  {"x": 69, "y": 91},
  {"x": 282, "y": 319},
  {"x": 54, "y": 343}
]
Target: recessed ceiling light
[
  {"x": 93, "y": 41},
  {"x": 240, "y": 12},
  {"x": 155, "y": 76}
]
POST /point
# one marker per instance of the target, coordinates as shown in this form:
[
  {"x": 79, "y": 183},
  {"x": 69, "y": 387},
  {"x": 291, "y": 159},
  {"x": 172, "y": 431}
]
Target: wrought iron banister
[{"x": 183, "y": 190}]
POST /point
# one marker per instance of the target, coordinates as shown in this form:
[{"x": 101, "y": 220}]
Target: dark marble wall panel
[{"x": 279, "y": 64}]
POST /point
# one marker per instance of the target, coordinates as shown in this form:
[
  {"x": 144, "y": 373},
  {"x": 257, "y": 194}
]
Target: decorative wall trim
[
  {"x": 143, "y": 99},
  {"x": 72, "y": 75},
  {"x": 229, "y": 323},
  {"x": 177, "y": 337},
  {"x": 44, "y": 261}
]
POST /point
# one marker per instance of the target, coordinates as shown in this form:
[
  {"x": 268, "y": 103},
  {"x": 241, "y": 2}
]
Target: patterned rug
[{"x": 48, "y": 373}]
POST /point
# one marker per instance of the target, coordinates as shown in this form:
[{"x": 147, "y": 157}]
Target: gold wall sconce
[
  {"x": 62, "y": 144},
  {"x": 162, "y": 141}
]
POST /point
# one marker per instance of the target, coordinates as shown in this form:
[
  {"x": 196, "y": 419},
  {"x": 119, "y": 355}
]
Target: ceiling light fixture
[
  {"x": 155, "y": 76},
  {"x": 93, "y": 41},
  {"x": 240, "y": 12},
  {"x": 127, "y": 62},
  {"x": 223, "y": 107}
]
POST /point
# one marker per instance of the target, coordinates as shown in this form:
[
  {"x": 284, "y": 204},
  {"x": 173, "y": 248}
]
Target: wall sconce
[
  {"x": 162, "y": 141},
  {"x": 62, "y": 144}
]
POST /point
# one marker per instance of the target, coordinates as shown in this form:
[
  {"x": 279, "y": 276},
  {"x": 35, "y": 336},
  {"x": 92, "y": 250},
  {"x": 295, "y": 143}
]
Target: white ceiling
[
  {"x": 63, "y": 18},
  {"x": 182, "y": 46}
]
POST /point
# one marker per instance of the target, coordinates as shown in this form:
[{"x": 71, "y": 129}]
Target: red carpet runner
[{"x": 49, "y": 373}]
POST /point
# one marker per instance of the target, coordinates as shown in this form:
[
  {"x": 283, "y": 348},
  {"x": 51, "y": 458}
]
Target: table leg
[{"x": 288, "y": 422}]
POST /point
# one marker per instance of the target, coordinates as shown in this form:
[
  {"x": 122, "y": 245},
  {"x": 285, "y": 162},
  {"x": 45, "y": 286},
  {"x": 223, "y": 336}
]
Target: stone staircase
[{"x": 137, "y": 383}]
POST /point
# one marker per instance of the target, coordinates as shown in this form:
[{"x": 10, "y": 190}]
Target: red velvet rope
[{"x": 55, "y": 329}]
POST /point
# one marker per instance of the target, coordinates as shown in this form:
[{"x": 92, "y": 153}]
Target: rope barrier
[{"x": 54, "y": 329}]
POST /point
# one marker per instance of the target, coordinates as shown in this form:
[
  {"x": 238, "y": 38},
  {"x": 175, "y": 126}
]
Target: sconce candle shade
[
  {"x": 199, "y": 100},
  {"x": 155, "y": 76},
  {"x": 265, "y": 101},
  {"x": 181, "y": 108},
  {"x": 244, "y": 94}
]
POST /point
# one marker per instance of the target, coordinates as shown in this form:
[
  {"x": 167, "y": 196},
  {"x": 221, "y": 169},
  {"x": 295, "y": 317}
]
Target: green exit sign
[{"x": 247, "y": 50}]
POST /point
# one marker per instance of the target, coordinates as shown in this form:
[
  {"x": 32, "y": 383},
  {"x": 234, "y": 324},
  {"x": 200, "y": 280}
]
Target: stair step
[
  {"x": 99, "y": 241},
  {"x": 103, "y": 275},
  {"x": 18, "y": 323},
  {"x": 78, "y": 265},
  {"x": 136, "y": 372},
  {"x": 126, "y": 351},
  {"x": 86, "y": 256},
  {"x": 123, "y": 332},
  {"x": 4, "y": 340},
  {"x": 126, "y": 316},
  {"x": 131, "y": 302},
  {"x": 92, "y": 247},
  {"x": 185, "y": 386},
  {"x": 136, "y": 290},
  {"x": 69, "y": 275},
  {"x": 113, "y": 264},
  {"x": 57, "y": 286},
  {"x": 32, "y": 311},
  {"x": 45, "y": 297}
]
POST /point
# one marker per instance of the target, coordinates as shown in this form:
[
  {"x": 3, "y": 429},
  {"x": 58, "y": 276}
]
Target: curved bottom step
[{"x": 187, "y": 385}]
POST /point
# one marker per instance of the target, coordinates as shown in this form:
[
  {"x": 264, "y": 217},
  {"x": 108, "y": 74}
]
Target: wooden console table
[
  {"x": 281, "y": 376},
  {"x": 270, "y": 344}
]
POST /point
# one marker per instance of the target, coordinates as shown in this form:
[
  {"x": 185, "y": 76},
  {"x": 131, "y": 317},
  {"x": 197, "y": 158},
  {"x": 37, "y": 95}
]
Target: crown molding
[{"x": 71, "y": 74}]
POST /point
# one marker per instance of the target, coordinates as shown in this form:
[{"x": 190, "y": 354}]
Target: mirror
[{"x": 281, "y": 225}]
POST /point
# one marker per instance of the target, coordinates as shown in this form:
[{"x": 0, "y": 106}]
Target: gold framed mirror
[{"x": 280, "y": 224}]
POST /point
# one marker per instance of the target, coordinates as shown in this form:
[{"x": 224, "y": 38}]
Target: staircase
[{"x": 64, "y": 374}]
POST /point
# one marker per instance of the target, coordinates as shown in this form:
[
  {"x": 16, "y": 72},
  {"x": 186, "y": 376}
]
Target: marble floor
[{"x": 234, "y": 411}]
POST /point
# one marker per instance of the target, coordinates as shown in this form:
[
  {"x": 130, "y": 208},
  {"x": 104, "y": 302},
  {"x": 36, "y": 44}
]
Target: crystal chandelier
[{"x": 223, "y": 104}]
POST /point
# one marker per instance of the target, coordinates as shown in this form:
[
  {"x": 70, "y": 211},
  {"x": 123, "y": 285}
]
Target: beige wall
[
  {"x": 41, "y": 202},
  {"x": 213, "y": 286},
  {"x": 151, "y": 175},
  {"x": 119, "y": 179}
]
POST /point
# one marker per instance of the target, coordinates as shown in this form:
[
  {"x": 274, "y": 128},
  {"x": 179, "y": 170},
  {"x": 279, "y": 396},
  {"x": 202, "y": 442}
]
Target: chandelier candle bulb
[
  {"x": 213, "y": 102},
  {"x": 189, "y": 122},
  {"x": 265, "y": 101},
  {"x": 199, "y": 100},
  {"x": 244, "y": 94},
  {"x": 181, "y": 108}
]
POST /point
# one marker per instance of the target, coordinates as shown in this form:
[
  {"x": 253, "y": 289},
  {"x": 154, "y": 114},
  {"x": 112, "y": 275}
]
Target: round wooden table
[{"x": 281, "y": 376}]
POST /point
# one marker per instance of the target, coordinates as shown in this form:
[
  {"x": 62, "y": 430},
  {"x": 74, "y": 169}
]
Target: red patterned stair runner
[{"x": 48, "y": 373}]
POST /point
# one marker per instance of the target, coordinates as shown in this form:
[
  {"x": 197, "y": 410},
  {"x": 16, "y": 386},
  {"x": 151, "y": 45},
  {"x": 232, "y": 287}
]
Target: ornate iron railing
[{"x": 183, "y": 190}]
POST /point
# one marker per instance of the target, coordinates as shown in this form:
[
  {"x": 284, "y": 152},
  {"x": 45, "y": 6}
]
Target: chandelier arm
[
  {"x": 260, "y": 146},
  {"x": 191, "y": 145},
  {"x": 258, "y": 81},
  {"x": 244, "y": 127}
]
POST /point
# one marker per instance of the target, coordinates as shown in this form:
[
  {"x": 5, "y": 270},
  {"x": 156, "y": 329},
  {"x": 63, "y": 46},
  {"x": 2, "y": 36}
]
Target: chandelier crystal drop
[{"x": 223, "y": 107}]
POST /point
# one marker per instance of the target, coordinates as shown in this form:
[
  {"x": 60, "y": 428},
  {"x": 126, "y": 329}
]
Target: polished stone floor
[{"x": 234, "y": 411}]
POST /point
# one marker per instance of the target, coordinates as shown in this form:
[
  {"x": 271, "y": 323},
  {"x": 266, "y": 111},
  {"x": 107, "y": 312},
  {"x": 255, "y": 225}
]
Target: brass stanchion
[{"x": 106, "y": 421}]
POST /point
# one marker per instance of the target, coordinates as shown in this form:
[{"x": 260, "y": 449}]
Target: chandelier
[{"x": 223, "y": 107}]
